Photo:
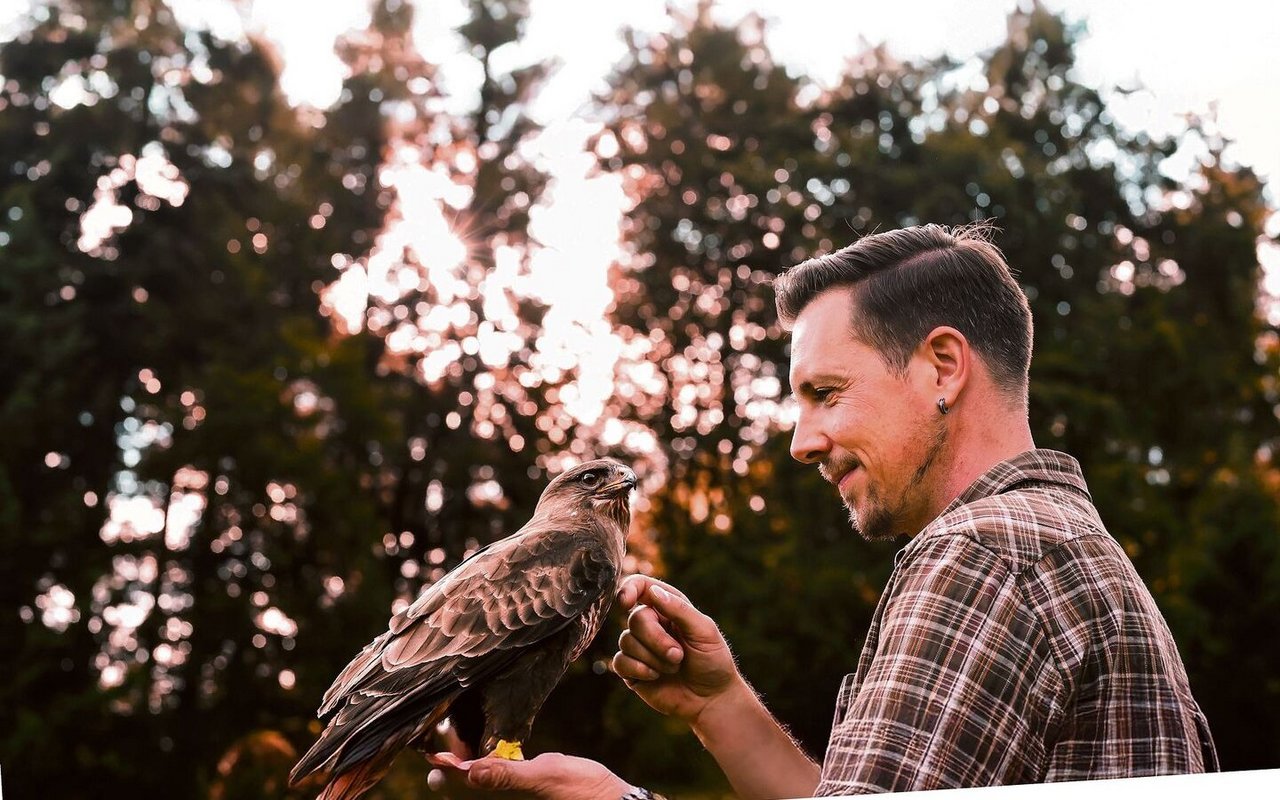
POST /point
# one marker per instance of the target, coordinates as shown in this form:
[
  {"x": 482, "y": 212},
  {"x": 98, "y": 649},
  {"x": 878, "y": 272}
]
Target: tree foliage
[{"x": 268, "y": 370}]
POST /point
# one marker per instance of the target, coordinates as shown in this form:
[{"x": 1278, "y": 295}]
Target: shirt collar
[
  {"x": 1038, "y": 466},
  {"x": 1031, "y": 466}
]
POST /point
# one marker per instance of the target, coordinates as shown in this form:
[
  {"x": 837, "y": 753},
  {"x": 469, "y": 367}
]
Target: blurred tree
[
  {"x": 256, "y": 767},
  {"x": 210, "y": 500},
  {"x": 179, "y": 419},
  {"x": 1213, "y": 459},
  {"x": 447, "y": 294}
]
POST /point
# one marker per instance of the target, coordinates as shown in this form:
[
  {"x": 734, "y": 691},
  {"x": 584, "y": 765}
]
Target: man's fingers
[
  {"x": 631, "y": 589},
  {"x": 630, "y": 646},
  {"x": 532, "y": 776},
  {"x": 634, "y": 586},
  {"x": 689, "y": 622},
  {"x": 436, "y": 780},
  {"x": 449, "y": 775},
  {"x": 445, "y": 760},
  {"x": 648, "y": 629},
  {"x": 670, "y": 603},
  {"x": 493, "y": 773},
  {"x": 547, "y": 775},
  {"x": 631, "y": 670}
]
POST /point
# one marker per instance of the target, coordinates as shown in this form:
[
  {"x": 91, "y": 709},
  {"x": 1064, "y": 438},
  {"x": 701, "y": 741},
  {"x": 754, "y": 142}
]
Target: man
[{"x": 1014, "y": 641}]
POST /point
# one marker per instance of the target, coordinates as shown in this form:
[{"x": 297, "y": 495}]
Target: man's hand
[
  {"x": 676, "y": 659},
  {"x": 672, "y": 655},
  {"x": 550, "y": 776}
]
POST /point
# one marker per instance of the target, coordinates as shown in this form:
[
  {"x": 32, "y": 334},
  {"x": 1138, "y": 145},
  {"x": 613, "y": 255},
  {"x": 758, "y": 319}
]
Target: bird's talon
[{"x": 508, "y": 750}]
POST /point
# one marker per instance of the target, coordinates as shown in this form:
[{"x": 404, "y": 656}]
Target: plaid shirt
[{"x": 1015, "y": 643}]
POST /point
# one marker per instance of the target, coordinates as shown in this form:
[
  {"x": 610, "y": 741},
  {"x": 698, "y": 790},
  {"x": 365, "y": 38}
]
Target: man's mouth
[
  {"x": 839, "y": 474},
  {"x": 843, "y": 484}
]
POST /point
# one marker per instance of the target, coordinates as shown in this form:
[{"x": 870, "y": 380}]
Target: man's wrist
[{"x": 723, "y": 714}]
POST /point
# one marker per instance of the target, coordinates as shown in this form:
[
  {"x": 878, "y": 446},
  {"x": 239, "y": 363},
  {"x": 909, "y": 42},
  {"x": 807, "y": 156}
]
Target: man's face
[{"x": 874, "y": 434}]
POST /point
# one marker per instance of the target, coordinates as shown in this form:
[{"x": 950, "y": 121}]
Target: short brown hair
[{"x": 909, "y": 281}]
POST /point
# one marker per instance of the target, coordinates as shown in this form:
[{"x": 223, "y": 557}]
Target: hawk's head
[{"x": 599, "y": 486}]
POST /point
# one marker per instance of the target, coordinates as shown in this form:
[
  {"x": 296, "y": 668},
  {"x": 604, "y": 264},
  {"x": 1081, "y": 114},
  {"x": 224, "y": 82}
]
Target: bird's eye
[{"x": 591, "y": 479}]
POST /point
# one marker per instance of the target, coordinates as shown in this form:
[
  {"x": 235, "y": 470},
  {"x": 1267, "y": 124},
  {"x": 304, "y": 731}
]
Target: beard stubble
[{"x": 883, "y": 521}]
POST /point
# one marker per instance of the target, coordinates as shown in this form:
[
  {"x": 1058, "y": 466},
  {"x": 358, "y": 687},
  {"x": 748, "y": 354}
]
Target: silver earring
[{"x": 942, "y": 405}]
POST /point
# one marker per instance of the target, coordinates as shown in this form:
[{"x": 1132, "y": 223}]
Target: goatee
[{"x": 880, "y": 520}]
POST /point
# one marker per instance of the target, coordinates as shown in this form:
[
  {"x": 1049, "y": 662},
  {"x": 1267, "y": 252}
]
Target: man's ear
[{"x": 949, "y": 362}]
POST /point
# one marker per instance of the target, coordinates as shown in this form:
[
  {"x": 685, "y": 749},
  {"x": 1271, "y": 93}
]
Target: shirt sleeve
[{"x": 961, "y": 687}]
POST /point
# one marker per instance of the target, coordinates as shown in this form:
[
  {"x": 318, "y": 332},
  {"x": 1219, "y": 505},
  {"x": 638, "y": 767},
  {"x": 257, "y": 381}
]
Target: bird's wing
[
  {"x": 517, "y": 592},
  {"x": 369, "y": 661}
]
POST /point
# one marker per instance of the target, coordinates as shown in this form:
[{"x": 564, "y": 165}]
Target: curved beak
[{"x": 625, "y": 482}]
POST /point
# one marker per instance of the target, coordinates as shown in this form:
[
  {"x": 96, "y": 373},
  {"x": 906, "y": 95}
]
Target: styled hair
[{"x": 909, "y": 281}]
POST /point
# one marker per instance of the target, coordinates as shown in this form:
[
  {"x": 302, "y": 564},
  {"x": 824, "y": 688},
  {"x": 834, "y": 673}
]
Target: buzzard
[{"x": 486, "y": 643}]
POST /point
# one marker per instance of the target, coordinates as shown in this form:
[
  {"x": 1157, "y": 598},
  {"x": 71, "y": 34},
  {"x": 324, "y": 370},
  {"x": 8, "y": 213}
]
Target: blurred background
[{"x": 301, "y": 303}]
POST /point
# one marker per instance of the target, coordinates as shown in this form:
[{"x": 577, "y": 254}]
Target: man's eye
[{"x": 823, "y": 394}]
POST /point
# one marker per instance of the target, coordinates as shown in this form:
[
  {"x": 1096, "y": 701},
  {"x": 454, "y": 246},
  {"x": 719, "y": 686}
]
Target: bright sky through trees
[
  {"x": 1229, "y": 66},
  {"x": 1185, "y": 60}
]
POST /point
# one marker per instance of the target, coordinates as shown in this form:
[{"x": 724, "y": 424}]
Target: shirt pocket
[
  {"x": 844, "y": 698},
  {"x": 840, "y": 752}
]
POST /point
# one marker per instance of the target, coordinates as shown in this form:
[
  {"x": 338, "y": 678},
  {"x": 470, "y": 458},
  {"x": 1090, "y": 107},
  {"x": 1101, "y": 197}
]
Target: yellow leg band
[{"x": 508, "y": 750}]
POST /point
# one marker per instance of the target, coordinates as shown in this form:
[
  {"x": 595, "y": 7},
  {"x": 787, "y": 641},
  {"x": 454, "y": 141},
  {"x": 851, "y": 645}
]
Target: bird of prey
[{"x": 489, "y": 640}]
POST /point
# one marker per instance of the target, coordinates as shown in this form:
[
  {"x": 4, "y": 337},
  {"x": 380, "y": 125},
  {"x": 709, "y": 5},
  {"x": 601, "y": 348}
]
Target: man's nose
[{"x": 808, "y": 444}]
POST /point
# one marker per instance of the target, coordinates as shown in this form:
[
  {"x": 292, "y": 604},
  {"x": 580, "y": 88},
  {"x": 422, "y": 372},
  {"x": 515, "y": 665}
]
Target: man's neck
[{"x": 977, "y": 443}]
